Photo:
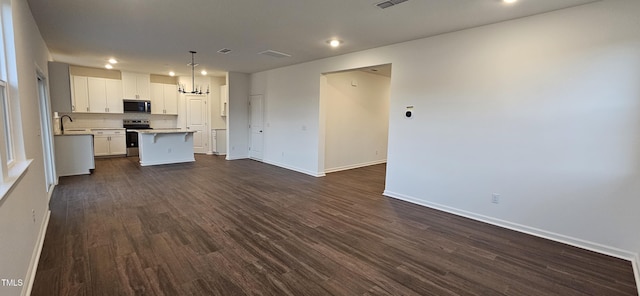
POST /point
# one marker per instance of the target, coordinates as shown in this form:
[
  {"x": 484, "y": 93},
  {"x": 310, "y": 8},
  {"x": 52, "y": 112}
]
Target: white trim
[
  {"x": 314, "y": 174},
  {"x": 355, "y": 166},
  {"x": 35, "y": 257},
  {"x": 235, "y": 157},
  {"x": 167, "y": 161},
  {"x": 635, "y": 262},
  {"x": 15, "y": 173},
  {"x": 576, "y": 242}
]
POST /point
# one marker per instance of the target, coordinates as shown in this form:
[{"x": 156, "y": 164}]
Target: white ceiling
[{"x": 155, "y": 36}]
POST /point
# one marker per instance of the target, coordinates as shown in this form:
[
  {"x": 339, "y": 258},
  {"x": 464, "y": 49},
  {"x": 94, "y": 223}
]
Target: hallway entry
[{"x": 356, "y": 106}]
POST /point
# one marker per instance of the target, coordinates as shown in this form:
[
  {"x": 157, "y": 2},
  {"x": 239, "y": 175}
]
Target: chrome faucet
[{"x": 62, "y": 120}]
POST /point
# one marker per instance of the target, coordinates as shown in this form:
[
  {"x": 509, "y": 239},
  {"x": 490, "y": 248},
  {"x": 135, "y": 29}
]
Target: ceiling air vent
[
  {"x": 224, "y": 51},
  {"x": 275, "y": 54},
  {"x": 387, "y": 4}
]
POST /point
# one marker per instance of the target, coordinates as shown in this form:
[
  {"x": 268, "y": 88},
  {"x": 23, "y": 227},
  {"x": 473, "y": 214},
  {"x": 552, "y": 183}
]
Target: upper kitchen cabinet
[
  {"x": 164, "y": 95},
  {"x": 164, "y": 99},
  {"x": 96, "y": 95},
  {"x": 92, "y": 90},
  {"x": 59, "y": 87},
  {"x": 114, "y": 95},
  {"x": 136, "y": 86},
  {"x": 80, "y": 94}
]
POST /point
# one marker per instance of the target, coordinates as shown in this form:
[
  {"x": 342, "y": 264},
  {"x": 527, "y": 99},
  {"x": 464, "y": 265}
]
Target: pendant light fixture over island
[{"x": 194, "y": 89}]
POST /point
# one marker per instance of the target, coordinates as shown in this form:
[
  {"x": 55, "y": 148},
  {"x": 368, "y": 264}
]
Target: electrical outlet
[
  {"x": 33, "y": 215},
  {"x": 495, "y": 198}
]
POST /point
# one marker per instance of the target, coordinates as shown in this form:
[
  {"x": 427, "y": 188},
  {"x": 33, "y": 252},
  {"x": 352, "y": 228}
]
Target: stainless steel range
[{"x": 132, "y": 136}]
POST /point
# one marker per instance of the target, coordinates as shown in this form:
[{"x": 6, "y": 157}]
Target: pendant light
[{"x": 194, "y": 90}]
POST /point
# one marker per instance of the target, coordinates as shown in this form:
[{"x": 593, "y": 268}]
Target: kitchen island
[
  {"x": 165, "y": 146},
  {"x": 74, "y": 153}
]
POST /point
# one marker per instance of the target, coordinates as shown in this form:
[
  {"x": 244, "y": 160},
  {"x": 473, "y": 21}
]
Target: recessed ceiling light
[
  {"x": 334, "y": 42},
  {"x": 203, "y": 72},
  {"x": 509, "y": 1},
  {"x": 172, "y": 73},
  {"x": 113, "y": 61},
  {"x": 108, "y": 66}
]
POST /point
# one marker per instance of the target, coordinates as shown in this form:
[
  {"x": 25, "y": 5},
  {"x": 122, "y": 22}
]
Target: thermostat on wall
[{"x": 408, "y": 113}]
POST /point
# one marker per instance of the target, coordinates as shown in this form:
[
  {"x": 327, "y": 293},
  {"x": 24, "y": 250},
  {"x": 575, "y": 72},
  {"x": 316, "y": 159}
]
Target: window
[
  {"x": 13, "y": 164},
  {"x": 6, "y": 125}
]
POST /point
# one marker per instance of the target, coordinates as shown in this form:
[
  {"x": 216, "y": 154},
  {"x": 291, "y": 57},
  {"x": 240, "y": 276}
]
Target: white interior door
[
  {"x": 197, "y": 121},
  {"x": 257, "y": 127}
]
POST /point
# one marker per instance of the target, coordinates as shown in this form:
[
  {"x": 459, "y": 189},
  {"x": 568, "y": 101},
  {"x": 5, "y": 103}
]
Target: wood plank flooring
[{"x": 217, "y": 227}]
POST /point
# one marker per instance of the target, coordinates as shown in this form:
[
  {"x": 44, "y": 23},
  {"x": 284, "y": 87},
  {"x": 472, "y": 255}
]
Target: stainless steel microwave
[{"x": 137, "y": 106}]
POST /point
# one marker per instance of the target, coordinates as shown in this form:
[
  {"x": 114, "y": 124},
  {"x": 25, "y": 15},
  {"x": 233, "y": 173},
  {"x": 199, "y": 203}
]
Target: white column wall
[{"x": 238, "y": 117}]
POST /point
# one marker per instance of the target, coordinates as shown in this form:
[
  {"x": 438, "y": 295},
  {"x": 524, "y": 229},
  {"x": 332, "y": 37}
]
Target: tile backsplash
[{"x": 85, "y": 120}]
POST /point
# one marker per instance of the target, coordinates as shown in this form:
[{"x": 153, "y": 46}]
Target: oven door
[{"x": 132, "y": 143}]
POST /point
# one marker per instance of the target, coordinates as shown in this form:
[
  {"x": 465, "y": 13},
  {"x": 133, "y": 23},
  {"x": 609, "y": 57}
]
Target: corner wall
[
  {"x": 238, "y": 117},
  {"x": 543, "y": 110},
  {"x": 24, "y": 210}
]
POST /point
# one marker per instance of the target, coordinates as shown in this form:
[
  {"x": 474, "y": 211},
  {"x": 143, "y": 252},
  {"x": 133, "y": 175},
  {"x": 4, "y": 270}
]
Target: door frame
[
  {"x": 251, "y": 125},
  {"x": 46, "y": 131}
]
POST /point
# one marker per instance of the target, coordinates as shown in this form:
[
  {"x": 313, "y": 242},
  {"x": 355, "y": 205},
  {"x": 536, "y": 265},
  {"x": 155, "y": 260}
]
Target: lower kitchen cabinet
[{"x": 109, "y": 142}]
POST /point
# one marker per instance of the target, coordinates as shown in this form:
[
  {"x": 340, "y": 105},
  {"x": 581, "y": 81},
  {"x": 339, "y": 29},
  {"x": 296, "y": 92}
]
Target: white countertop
[
  {"x": 86, "y": 130},
  {"x": 75, "y": 133},
  {"x": 162, "y": 131}
]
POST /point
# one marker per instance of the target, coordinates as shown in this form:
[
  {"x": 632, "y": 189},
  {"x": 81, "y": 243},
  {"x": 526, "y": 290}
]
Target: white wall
[
  {"x": 217, "y": 121},
  {"x": 20, "y": 232},
  {"x": 238, "y": 117},
  {"x": 357, "y": 119},
  {"x": 543, "y": 110}
]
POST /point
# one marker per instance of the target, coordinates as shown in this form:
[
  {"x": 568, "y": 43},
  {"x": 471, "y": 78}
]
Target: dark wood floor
[{"x": 217, "y": 227}]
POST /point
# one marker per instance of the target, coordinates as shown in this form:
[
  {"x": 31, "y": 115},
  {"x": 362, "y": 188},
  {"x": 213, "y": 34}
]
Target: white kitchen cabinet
[
  {"x": 114, "y": 96},
  {"x": 164, "y": 99},
  {"x": 224, "y": 100},
  {"x": 109, "y": 142},
  {"x": 136, "y": 86},
  {"x": 96, "y": 95},
  {"x": 80, "y": 94},
  {"x": 171, "y": 99}
]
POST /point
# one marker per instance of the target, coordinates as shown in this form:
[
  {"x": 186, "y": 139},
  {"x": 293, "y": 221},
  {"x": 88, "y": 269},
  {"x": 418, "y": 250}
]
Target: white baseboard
[
  {"x": 167, "y": 161},
  {"x": 35, "y": 257},
  {"x": 576, "y": 242},
  {"x": 355, "y": 166},
  {"x": 315, "y": 174},
  {"x": 235, "y": 157}
]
